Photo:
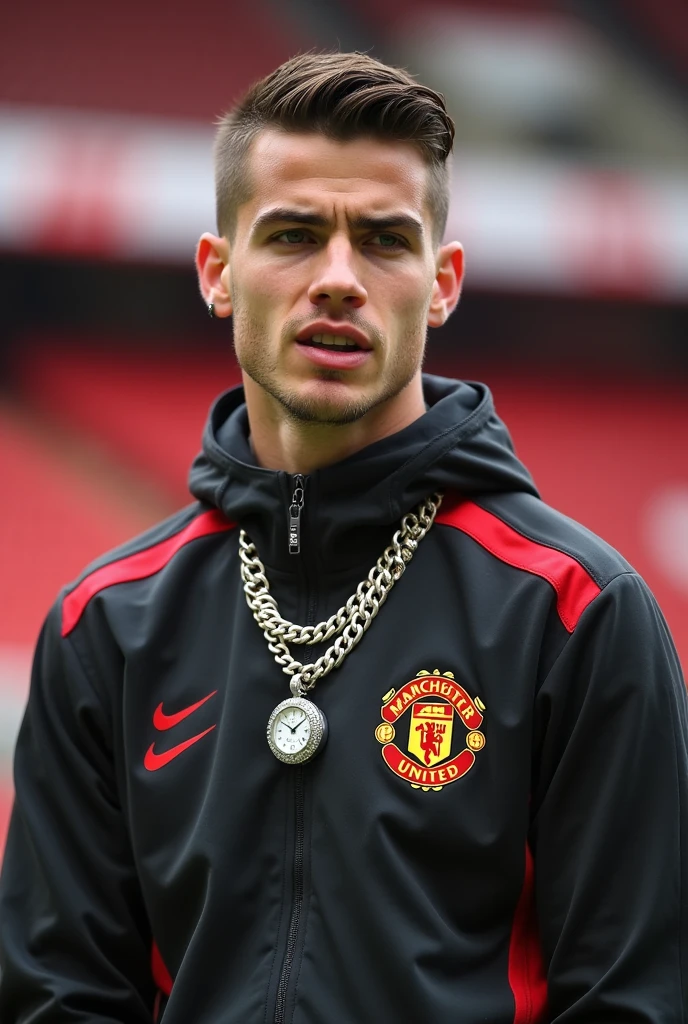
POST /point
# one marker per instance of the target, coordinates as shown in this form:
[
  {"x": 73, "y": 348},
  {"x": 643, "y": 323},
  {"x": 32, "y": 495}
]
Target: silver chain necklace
[{"x": 297, "y": 728}]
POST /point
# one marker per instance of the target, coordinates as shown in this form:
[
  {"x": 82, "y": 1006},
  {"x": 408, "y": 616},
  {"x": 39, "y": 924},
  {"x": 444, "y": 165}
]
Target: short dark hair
[{"x": 342, "y": 96}]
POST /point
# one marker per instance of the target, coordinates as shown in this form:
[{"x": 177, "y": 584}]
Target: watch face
[
  {"x": 296, "y": 731},
  {"x": 291, "y": 730}
]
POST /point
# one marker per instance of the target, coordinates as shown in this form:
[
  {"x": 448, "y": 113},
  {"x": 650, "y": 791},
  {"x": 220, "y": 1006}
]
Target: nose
[{"x": 336, "y": 281}]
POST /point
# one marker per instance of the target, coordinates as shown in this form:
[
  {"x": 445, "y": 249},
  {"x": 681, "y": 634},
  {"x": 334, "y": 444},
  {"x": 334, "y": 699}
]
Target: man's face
[{"x": 334, "y": 246}]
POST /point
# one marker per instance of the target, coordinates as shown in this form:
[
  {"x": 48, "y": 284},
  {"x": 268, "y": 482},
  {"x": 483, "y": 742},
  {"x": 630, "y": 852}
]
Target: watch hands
[{"x": 300, "y": 722}]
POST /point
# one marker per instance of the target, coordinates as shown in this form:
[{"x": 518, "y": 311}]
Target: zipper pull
[{"x": 295, "y": 510}]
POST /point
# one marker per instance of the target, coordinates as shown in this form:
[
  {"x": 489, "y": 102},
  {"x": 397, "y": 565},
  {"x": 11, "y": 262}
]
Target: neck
[{"x": 280, "y": 441}]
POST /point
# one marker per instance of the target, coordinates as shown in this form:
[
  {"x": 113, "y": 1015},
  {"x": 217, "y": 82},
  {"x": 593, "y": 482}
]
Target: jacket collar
[{"x": 352, "y": 507}]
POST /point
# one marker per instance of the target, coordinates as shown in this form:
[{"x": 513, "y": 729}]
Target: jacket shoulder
[
  {"x": 141, "y": 557},
  {"x": 522, "y": 531},
  {"x": 542, "y": 524}
]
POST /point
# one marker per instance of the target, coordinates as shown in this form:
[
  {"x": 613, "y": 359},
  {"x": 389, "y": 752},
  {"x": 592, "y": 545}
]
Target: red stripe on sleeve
[
  {"x": 575, "y": 588},
  {"x": 526, "y": 969},
  {"x": 138, "y": 566},
  {"x": 161, "y": 976}
]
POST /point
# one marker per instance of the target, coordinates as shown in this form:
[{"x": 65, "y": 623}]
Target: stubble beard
[{"x": 262, "y": 367}]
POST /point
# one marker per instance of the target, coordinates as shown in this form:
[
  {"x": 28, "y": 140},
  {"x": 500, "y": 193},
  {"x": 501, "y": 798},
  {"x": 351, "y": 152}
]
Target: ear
[
  {"x": 446, "y": 288},
  {"x": 212, "y": 265}
]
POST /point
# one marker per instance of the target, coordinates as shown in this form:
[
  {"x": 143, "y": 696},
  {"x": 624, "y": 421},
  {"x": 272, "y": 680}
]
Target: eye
[
  {"x": 387, "y": 241},
  {"x": 294, "y": 236}
]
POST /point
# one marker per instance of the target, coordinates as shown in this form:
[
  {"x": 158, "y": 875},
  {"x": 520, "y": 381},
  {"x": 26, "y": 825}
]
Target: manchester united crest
[{"x": 424, "y": 712}]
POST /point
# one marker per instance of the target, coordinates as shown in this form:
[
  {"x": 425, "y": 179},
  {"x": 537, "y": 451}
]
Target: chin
[{"x": 329, "y": 402}]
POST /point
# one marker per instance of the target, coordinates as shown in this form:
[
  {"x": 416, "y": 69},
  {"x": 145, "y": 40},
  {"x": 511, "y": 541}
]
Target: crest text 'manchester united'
[{"x": 428, "y": 706}]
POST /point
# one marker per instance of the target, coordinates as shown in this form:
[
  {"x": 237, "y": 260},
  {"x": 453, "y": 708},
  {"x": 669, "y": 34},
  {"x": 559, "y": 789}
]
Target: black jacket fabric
[{"x": 523, "y": 860}]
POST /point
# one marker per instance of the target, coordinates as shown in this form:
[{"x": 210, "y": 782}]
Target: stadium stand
[
  {"x": 148, "y": 408},
  {"x": 60, "y": 516},
  {"x": 655, "y": 32},
  {"x": 392, "y": 12},
  {"x": 133, "y": 57}
]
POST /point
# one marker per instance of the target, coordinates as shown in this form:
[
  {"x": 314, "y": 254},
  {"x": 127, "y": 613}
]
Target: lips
[
  {"x": 334, "y": 358},
  {"x": 333, "y": 335},
  {"x": 334, "y": 345}
]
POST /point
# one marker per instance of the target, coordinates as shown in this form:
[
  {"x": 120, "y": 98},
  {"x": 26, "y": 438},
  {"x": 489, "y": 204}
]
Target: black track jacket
[{"x": 495, "y": 833}]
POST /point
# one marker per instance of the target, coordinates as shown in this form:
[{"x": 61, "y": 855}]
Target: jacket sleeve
[
  {"x": 610, "y": 818},
  {"x": 74, "y": 941}
]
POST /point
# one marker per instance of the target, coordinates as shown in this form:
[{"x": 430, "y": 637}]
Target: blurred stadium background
[{"x": 570, "y": 195}]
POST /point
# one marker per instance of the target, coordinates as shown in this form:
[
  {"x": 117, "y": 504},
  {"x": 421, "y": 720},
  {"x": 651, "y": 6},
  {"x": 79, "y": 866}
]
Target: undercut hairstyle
[{"x": 342, "y": 96}]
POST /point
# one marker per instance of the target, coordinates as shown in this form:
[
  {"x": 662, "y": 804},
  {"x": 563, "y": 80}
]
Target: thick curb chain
[{"x": 351, "y": 621}]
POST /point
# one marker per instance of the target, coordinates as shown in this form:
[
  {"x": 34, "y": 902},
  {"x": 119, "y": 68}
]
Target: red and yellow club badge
[{"x": 433, "y": 701}]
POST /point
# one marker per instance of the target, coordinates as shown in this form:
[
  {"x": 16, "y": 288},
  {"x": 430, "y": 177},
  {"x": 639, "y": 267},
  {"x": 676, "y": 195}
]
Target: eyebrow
[{"x": 384, "y": 222}]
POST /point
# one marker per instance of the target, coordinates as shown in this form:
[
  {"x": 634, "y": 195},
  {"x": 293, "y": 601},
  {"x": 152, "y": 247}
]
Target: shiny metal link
[{"x": 351, "y": 620}]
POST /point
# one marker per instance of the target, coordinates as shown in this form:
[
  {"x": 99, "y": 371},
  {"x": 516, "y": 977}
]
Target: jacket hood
[{"x": 460, "y": 444}]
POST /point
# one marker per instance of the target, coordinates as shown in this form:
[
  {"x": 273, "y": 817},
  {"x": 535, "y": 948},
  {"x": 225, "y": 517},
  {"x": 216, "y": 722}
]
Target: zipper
[
  {"x": 295, "y": 510},
  {"x": 296, "y": 507},
  {"x": 297, "y": 896}
]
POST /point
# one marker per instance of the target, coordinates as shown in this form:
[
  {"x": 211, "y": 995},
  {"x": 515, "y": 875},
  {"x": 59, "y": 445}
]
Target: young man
[{"x": 471, "y": 803}]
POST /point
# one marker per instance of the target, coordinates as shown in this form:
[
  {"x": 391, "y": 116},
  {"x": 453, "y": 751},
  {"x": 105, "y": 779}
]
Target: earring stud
[{"x": 211, "y": 310}]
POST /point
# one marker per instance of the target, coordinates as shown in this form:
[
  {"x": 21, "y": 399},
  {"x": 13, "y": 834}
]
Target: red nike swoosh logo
[
  {"x": 153, "y": 761},
  {"x": 162, "y": 721}
]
